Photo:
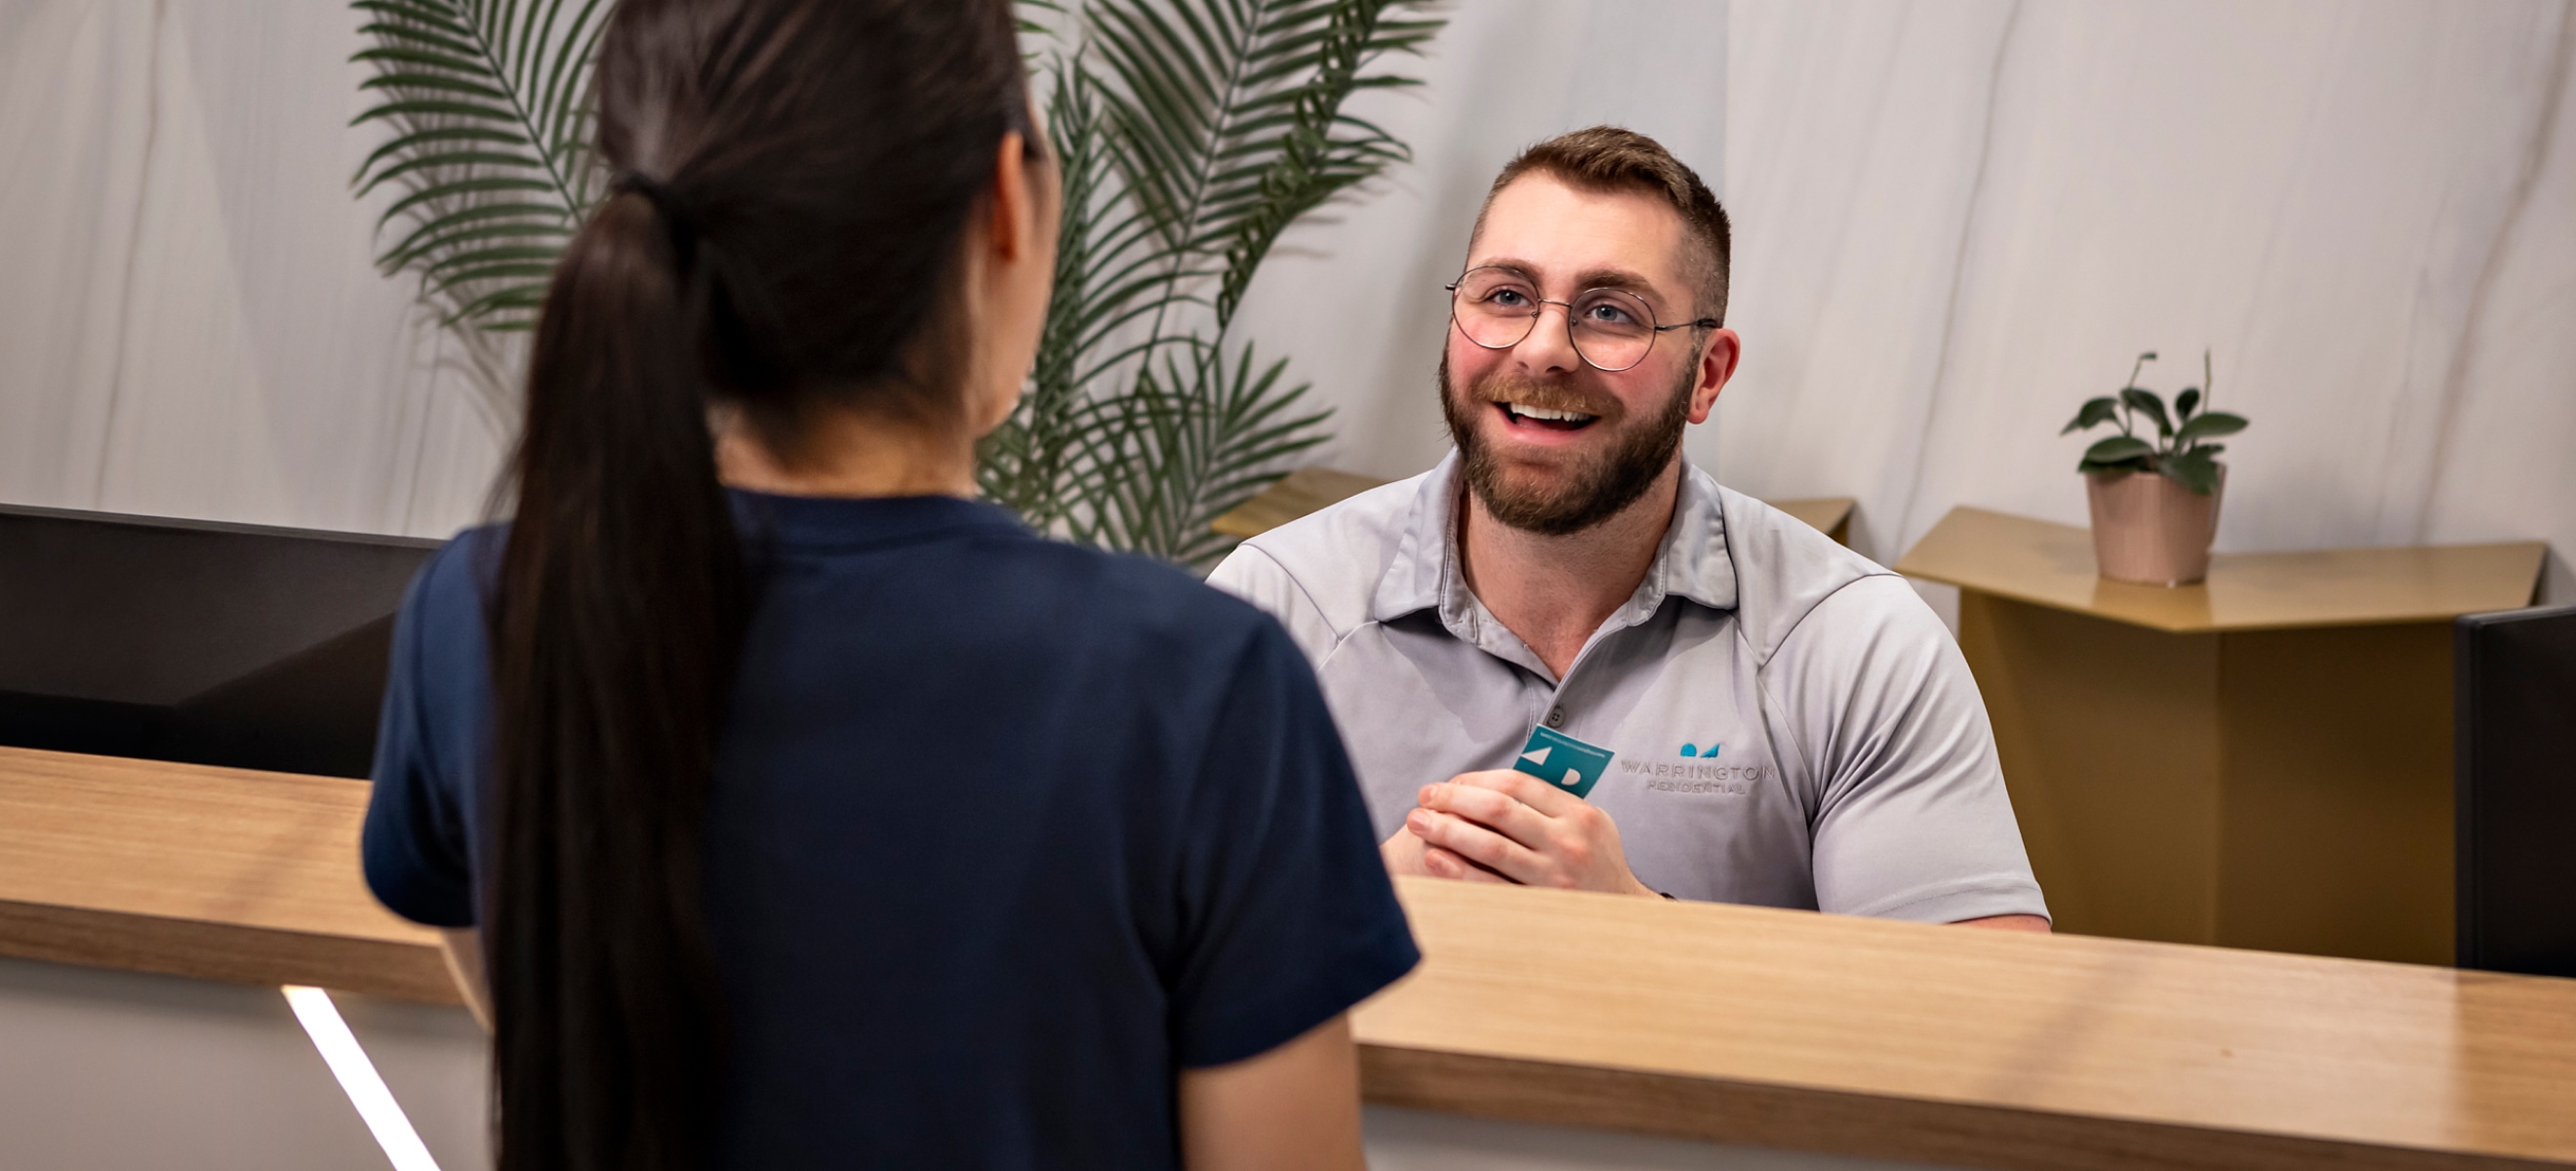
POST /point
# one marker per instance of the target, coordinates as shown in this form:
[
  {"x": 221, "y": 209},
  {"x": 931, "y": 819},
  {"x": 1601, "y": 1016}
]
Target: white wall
[
  {"x": 189, "y": 322},
  {"x": 1957, "y": 220},
  {"x": 1954, "y": 221}
]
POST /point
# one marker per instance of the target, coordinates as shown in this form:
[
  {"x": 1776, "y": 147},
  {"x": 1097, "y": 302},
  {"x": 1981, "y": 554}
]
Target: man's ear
[{"x": 1717, "y": 361}]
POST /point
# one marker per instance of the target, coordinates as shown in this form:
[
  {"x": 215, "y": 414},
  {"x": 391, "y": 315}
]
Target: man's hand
[
  {"x": 1403, "y": 854},
  {"x": 1520, "y": 828}
]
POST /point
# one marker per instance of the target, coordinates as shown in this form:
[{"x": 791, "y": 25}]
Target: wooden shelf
[
  {"x": 2052, "y": 565},
  {"x": 1734, "y": 1024}
]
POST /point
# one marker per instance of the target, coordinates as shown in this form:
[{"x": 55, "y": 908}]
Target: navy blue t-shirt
[{"x": 1004, "y": 833}]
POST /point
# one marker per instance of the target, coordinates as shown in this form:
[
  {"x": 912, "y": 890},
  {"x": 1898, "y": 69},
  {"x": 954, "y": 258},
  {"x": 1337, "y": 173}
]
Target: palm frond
[
  {"x": 1192, "y": 133},
  {"x": 1199, "y": 433},
  {"x": 485, "y": 103},
  {"x": 1189, "y": 135}
]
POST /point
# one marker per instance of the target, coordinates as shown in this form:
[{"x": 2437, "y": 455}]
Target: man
[{"x": 1793, "y": 726}]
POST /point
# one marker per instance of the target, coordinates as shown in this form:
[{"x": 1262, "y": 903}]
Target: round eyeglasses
[{"x": 1612, "y": 329}]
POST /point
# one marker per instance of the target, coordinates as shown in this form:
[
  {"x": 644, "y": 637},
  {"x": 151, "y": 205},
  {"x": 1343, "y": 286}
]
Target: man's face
[{"x": 1551, "y": 475}]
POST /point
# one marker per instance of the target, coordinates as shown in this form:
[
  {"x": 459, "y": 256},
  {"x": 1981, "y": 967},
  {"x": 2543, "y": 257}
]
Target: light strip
[{"x": 358, "y": 1078}]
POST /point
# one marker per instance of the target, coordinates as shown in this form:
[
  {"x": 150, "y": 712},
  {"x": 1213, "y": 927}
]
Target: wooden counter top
[
  {"x": 2052, "y": 565},
  {"x": 220, "y": 873},
  {"x": 1951, "y": 1045},
  {"x": 1735, "y": 1024}
]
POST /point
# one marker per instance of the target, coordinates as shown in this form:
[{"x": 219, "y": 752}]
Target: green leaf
[
  {"x": 2118, "y": 449},
  {"x": 2195, "y": 470},
  {"x": 2146, "y": 402},
  {"x": 2095, "y": 413},
  {"x": 2186, "y": 402},
  {"x": 489, "y": 141},
  {"x": 1189, "y": 135},
  {"x": 2211, "y": 425}
]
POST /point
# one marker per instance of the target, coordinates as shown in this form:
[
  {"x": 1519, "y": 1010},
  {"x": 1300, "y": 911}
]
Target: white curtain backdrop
[
  {"x": 1954, "y": 221},
  {"x": 189, "y": 322}
]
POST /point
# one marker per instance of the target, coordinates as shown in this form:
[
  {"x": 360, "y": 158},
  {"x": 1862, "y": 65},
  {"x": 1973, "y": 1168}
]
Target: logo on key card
[{"x": 1562, "y": 760}]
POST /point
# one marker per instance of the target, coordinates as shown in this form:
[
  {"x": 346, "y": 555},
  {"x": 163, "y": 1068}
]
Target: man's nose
[{"x": 1550, "y": 344}]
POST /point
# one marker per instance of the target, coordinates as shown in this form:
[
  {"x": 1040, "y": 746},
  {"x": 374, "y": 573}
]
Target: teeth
[{"x": 1544, "y": 413}]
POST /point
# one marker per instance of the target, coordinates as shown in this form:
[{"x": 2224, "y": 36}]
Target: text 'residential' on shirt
[
  {"x": 1793, "y": 726},
  {"x": 1004, "y": 833}
]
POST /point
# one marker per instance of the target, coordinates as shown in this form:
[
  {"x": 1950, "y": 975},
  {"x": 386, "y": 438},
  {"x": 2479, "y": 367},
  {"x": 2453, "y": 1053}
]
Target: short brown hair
[{"x": 1612, "y": 158}]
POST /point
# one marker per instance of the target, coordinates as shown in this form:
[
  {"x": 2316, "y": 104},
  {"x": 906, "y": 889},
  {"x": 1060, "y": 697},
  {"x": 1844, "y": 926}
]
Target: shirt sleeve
[
  {"x": 1288, "y": 917},
  {"x": 413, "y": 845},
  {"x": 1912, "y": 820},
  {"x": 1252, "y": 574}
]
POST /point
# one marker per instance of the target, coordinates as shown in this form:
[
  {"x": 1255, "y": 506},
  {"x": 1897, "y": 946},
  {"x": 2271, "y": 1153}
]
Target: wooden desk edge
[
  {"x": 1839, "y": 1122},
  {"x": 231, "y": 953},
  {"x": 2143, "y": 623},
  {"x": 1498, "y": 1085}
]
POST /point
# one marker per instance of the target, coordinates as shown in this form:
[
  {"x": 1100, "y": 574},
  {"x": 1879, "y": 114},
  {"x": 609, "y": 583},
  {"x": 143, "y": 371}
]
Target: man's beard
[{"x": 1599, "y": 486}]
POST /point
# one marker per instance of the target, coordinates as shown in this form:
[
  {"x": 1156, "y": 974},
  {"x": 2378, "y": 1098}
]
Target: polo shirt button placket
[{"x": 1556, "y": 716}]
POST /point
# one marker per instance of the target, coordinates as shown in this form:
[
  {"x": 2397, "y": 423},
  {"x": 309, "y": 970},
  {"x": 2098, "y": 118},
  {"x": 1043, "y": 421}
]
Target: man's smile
[{"x": 1523, "y": 415}]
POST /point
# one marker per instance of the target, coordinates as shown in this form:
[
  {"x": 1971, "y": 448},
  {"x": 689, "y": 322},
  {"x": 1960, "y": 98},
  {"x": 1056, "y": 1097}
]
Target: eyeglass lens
[{"x": 1497, "y": 308}]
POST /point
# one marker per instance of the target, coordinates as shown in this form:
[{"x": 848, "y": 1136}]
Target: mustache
[{"x": 1547, "y": 396}]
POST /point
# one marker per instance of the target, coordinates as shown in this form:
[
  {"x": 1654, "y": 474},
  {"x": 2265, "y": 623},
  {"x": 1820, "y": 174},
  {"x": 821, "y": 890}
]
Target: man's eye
[
  {"x": 1607, "y": 313},
  {"x": 1507, "y": 298}
]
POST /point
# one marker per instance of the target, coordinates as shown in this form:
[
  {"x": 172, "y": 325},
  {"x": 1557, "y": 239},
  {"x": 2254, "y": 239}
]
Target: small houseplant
[{"x": 2155, "y": 503}]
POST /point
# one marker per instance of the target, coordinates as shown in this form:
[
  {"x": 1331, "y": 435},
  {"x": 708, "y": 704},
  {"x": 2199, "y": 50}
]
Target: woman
[{"x": 811, "y": 812}]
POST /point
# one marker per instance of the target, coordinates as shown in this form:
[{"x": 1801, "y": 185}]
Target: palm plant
[
  {"x": 1189, "y": 133},
  {"x": 486, "y": 105}
]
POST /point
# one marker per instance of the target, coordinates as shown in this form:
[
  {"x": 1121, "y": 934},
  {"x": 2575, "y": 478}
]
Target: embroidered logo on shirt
[
  {"x": 1710, "y": 751},
  {"x": 1700, "y": 775}
]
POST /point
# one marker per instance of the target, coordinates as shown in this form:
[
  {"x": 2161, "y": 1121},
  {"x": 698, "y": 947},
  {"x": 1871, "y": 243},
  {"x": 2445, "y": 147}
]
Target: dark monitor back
[
  {"x": 2515, "y": 680},
  {"x": 193, "y": 641}
]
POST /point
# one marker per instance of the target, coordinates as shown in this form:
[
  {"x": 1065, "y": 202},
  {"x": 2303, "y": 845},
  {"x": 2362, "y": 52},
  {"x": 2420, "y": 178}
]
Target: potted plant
[{"x": 2155, "y": 504}]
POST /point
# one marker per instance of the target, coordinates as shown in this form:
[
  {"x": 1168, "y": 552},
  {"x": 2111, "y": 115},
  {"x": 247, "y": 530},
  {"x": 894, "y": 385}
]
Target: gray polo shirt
[{"x": 1794, "y": 727}]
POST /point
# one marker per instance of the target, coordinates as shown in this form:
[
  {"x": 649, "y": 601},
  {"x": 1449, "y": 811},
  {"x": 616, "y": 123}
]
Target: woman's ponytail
[{"x": 613, "y": 634}]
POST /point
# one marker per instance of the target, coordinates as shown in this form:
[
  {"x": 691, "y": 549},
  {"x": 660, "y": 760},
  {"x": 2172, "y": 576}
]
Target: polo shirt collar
[{"x": 1692, "y": 563}]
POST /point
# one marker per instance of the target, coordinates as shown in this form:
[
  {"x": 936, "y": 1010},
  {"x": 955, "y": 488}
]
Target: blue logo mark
[{"x": 1712, "y": 750}]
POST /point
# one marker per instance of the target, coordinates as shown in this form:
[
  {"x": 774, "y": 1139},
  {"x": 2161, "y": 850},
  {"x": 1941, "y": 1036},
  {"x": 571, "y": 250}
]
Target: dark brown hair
[
  {"x": 1609, "y": 158},
  {"x": 795, "y": 178}
]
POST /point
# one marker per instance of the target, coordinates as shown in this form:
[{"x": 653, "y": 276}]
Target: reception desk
[
  {"x": 2261, "y": 760},
  {"x": 1727, "y": 1024}
]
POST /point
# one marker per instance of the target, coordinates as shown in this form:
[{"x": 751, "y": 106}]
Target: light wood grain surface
[
  {"x": 2052, "y": 565},
  {"x": 1948, "y": 1044},
  {"x": 222, "y": 873},
  {"x": 1735, "y": 1024}
]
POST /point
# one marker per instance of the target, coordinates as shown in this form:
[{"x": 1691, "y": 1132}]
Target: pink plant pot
[{"x": 2150, "y": 530}]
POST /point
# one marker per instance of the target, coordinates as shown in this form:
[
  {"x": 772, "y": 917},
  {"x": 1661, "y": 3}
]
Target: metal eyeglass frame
[{"x": 1540, "y": 310}]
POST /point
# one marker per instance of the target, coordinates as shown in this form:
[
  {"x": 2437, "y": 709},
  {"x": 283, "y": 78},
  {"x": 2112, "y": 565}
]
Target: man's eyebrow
[
  {"x": 1621, "y": 279},
  {"x": 1625, "y": 280}
]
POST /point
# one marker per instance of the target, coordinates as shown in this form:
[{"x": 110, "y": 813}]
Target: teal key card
[{"x": 1562, "y": 760}]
